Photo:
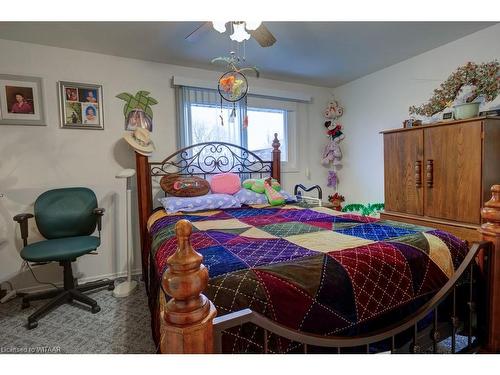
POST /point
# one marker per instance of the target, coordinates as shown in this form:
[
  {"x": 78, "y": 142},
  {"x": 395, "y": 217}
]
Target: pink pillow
[{"x": 225, "y": 183}]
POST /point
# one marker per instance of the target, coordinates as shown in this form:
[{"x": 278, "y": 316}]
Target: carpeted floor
[{"x": 122, "y": 326}]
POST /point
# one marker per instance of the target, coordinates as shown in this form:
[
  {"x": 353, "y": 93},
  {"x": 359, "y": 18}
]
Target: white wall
[
  {"x": 34, "y": 159},
  {"x": 380, "y": 101}
]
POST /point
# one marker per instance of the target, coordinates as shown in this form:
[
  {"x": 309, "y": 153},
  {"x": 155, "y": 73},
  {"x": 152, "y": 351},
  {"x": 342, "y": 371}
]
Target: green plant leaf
[
  {"x": 141, "y": 93},
  {"x": 143, "y": 101},
  {"x": 149, "y": 112},
  {"x": 253, "y": 69},
  {"x": 152, "y": 101},
  {"x": 226, "y": 60},
  {"x": 256, "y": 71},
  {"x": 132, "y": 104},
  {"x": 124, "y": 96}
]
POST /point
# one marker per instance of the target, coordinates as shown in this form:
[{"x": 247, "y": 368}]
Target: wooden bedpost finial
[
  {"x": 188, "y": 314},
  {"x": 490, "y": 231},
  {"x": 276, "y": 162},
  {"x": 491, "y": 211},
  {"x": 276, "y": 142}
]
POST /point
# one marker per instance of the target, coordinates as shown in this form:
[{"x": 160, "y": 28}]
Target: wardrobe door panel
[
  {"x": 452, "y": 170},
  {"x": 403, "y": 158}
]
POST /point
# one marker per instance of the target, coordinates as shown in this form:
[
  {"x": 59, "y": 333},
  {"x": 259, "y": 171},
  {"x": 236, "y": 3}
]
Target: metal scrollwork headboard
[
  {"x": 210, "y": 158},
  {"x": 203, "y": 159}
]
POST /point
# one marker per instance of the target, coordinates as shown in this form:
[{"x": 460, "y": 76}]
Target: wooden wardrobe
[{"x": 429, "y": 169}]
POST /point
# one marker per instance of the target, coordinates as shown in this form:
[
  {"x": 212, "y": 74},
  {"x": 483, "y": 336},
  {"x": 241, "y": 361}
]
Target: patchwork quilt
[{"x": 312, "y": 269}]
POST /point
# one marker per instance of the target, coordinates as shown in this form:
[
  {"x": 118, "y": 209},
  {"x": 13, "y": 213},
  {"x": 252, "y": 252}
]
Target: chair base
[{"x": 63, "y": 295}]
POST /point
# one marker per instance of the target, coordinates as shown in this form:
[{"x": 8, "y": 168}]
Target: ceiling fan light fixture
[
  {"x": 239, "y": 33},
  {"x": 220, "y": 26},
  {"x": 252, "y": 25}
]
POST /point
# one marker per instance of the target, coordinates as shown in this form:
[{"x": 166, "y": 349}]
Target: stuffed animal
[
  {"x": 332, "y": 154},
  {"x": 333, "y": 111},
  {"x": 257, "y": 185},
  {"x": 274, "y": 198},
  {"x": 336, "y": 201},
  {"x": 332, "y": 179},
  {"x": 269, "y": 186}
]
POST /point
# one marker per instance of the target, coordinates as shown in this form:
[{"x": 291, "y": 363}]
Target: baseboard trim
[{"x": 44, "y": 287}]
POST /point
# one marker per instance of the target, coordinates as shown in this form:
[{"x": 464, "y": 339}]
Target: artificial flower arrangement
[
  {"x": 484, "y": 80},
  {"x": 232, "y": 85}
]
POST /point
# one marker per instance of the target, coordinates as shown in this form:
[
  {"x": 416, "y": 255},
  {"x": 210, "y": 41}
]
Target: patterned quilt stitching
[
  {"x": 275, "y": 242},
  {"x": 370, "y": 297}
]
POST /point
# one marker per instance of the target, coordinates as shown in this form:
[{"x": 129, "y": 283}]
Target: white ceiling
[{"x": 318, "y": 53}]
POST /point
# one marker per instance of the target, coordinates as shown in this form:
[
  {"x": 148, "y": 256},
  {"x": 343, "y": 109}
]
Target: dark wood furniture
[
  {"x": 440, "y": 175},
  {"x": 188, "y": 322}
]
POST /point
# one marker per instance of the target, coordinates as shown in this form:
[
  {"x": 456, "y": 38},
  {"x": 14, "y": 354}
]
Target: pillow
[
  {"x": 192, "y": 204},
  {"x": 225, "y": 183},
  {"x": 248, "y": 197},
  {"x": 189, "y": 186}
]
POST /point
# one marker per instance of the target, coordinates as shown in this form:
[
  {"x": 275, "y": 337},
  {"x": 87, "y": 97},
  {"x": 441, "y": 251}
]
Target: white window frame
[{"x": 291, "y": 165}]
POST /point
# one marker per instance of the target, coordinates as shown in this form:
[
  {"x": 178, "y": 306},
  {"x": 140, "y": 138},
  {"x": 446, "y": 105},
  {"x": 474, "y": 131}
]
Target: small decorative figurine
[
  {"x": 332, "y": 179},
  {"x": 336, "y": 200}
]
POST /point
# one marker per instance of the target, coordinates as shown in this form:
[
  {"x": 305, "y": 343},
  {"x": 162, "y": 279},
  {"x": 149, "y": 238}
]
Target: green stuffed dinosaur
[{"x": 269, "y": 186}]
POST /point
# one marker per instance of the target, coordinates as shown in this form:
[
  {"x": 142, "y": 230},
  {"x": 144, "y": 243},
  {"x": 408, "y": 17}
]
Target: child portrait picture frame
[
  {"x": 80, "y": 106},
  {"x": 21, "y": 100}
]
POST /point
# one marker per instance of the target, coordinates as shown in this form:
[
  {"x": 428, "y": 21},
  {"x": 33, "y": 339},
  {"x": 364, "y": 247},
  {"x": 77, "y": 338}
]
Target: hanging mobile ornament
[
  {"x": 220, "y": 116},
  {"x": 245, "y": 118},
  {"x": 233, "y": 85}
]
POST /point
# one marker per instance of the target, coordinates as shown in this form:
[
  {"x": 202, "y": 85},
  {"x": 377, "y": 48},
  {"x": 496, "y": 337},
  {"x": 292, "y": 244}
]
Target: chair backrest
[{"x": 66, "y": 212}]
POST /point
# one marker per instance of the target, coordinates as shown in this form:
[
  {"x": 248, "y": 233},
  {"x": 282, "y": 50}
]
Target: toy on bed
[{"x": 269, "y": 186}]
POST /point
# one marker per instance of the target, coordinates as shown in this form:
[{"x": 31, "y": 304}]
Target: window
[
  {"x": 263, "y": 123},
  {"x": 206, "y": 125},
  {"x": 200, "y": 121}
]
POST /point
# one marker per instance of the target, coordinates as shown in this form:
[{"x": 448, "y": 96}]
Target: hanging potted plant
[
  {"x": 137, "y": 110},
  {"x": 474, "y": 82}
]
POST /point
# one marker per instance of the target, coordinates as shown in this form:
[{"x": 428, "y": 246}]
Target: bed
[{"x": 294, "y": 279}]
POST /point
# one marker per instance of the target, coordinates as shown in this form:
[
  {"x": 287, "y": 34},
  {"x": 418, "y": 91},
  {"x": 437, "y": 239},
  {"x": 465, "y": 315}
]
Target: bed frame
[{"x": 188, "y": 320}]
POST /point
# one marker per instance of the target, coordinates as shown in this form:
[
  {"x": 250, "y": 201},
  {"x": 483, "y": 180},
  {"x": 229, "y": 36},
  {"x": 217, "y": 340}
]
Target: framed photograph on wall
[
  {"x": 21, "y": 100},
  {"x": 81, "y": 106}
]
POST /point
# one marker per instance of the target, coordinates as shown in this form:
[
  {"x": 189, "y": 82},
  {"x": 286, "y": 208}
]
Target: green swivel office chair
[{"x": 66, "y": 218}]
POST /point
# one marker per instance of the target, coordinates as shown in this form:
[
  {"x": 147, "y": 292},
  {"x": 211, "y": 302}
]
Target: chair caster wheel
[
  {"x": 95, "y": 309},
  {"x": 25, "y": 305},
  {"x": 33, "y": 324},
  {"x": 111, "y": 287}
]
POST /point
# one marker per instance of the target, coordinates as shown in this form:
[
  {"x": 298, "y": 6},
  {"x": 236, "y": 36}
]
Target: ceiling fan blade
[
  {"x": 199, "y": 32},
  {"x": 263, "y": 36}
]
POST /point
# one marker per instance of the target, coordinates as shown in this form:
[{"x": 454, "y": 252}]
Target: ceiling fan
[{"x": 241, "y": 30}]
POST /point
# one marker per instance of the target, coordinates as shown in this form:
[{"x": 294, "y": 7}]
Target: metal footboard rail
[{"x": 238, "y": 318}]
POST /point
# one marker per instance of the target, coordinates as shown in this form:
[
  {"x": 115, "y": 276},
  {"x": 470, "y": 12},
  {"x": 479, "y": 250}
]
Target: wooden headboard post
[
  {"x": 145, "y": 202},
  {"x": 187, "y": 318},
  {"x": 490, "y": 231},
  {"x": 276, "y": 165}
]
